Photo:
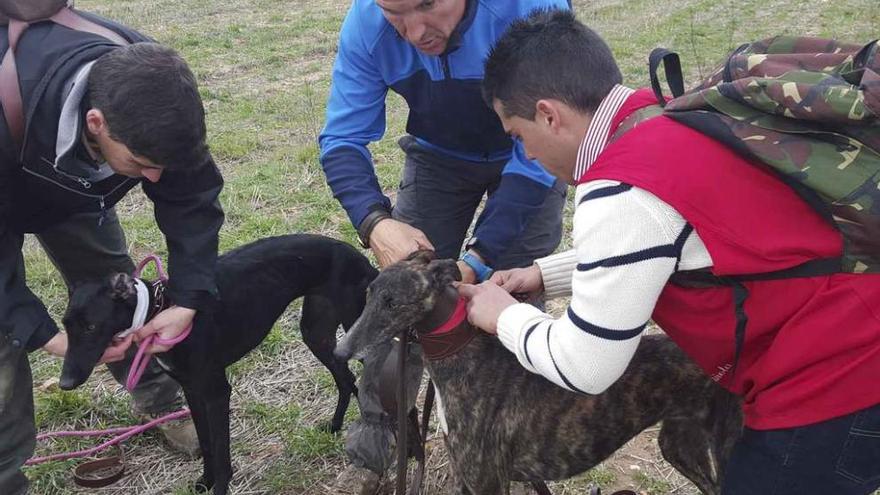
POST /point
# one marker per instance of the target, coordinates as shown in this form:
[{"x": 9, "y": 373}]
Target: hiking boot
[
  {"x": 355, "y": 480},
  {"x": 180, "y": 434}
]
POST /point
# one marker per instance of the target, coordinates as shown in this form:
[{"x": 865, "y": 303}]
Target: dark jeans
[
  {"x": 840, "y": 456},
  {"x": 440, "y": 196},
  {"x": 81, "y": 250}
]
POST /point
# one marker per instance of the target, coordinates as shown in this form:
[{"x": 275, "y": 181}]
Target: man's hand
[
  {"x": 167, "y": 325},
  {"x": 468, "y": 276},
  {"x": 393, "y": 240},
  {"x": 57, "y": 345},
  {"x": 485, "y": 304},
  {"x": 520, "y": 281},
  {"x": 116, "y": 350}
]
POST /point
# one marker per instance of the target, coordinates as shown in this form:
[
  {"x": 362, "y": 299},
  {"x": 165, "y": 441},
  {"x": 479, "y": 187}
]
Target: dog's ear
[
  {"x": 444, "y": 272},
  {"x": 122, "y": 287},
  {"x": 422, "y": 256}
]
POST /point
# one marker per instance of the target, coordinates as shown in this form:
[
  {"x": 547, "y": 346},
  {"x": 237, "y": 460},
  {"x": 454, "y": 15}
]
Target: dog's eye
[{"x": 91, "y": 327}]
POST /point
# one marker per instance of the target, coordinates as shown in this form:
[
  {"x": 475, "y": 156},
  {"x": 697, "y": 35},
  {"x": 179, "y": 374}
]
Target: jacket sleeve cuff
[
  {"x": 378, "y": 212},
  {"x": 556, "y": 271},
  {"x": 42, "y": 335},
  {"x": 199, "y": 300}
]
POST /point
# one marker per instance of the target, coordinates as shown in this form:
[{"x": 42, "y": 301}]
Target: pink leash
[
  {"x": 138, "y": 366},
  {"x": 125, "y": 433},
  {"x": 141, "y": 360}
]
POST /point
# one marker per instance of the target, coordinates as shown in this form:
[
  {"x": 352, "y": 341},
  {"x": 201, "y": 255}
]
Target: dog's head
[
  {"x": 97, "y": 311},
  {"x": 401, "y": 297}
]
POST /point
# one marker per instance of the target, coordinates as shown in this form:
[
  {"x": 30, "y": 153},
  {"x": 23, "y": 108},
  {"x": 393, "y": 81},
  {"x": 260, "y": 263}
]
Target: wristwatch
[{"x": 482, "y": 271}]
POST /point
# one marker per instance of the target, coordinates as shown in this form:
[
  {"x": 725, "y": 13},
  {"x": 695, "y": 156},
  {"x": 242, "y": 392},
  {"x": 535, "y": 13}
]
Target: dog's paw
[{"x": 329, "y": 426}]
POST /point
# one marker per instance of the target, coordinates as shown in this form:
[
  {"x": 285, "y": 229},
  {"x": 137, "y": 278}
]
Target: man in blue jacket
[
  {"x": 98, "y": 120},
  {"x": 431, "y": 52}
]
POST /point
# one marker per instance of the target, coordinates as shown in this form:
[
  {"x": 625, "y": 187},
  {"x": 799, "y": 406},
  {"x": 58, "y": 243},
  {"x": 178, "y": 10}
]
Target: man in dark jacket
[{"x": 100, "y": 118}]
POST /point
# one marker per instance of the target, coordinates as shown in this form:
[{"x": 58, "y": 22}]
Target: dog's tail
[{"x": 726, "y": 424}]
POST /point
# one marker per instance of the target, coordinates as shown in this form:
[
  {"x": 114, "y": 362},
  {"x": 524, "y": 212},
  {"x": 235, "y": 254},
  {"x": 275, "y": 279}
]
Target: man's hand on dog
[
  {"x": 167, "y": 325},
  {"x": 57, "y": 345},
  {"x": 116, "y": 350},
  {"x": 527, "y": 281},
  {"x": 393, "y": 240},
  {"x": 485, "y": 304},
  {"x": 468, "y": 276}
]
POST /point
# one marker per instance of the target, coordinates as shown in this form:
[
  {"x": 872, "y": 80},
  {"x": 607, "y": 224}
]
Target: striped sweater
[{"x": 627, "y": 243}]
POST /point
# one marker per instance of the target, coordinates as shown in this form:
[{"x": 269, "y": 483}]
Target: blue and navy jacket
[{"x": 447, "y": 113}]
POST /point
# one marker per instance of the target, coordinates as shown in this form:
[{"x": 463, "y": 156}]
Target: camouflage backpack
[
  {"x": 17, "y": 15},
  {"x": 807, "y": 108}
]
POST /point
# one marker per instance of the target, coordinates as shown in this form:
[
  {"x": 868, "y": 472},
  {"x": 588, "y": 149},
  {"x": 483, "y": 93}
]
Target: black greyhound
[
  {"x": 256, "y": 283},
  {"x": 505, "y": 423}
]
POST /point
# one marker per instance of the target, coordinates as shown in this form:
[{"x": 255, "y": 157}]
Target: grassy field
[{"x": 264, "y": 67}]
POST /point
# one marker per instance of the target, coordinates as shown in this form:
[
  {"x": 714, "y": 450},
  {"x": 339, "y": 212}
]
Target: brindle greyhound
[
  {"x": 504, "y": 423},
  {"x": 256, "y": 283}
]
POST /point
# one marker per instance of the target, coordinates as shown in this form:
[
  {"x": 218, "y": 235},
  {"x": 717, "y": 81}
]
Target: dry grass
[{"x": 264, "y": 67}]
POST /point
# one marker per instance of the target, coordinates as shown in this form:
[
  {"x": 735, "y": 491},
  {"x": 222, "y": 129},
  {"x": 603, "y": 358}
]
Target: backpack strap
[
  {"x": 672, "y": 67},
  {"x": 705, "y": 278},
  {"x": 10, "y": 90},
  {"x": 70, "y": 19}
]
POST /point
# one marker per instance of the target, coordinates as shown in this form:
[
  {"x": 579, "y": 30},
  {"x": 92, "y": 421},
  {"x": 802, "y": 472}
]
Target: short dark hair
[
  {"x": 150, "y": 100},
  {"x": 549, "y": 54}
]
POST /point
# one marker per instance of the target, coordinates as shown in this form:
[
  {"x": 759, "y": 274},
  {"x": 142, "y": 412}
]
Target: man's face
[
  {"x": 426, "y": 24},
  {"x": 540, "y": 143},
  {"x": 118, "y": 156}
]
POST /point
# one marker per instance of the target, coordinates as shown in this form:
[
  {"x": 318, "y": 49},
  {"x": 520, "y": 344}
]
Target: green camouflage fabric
[{"x": 808, "y": 108}]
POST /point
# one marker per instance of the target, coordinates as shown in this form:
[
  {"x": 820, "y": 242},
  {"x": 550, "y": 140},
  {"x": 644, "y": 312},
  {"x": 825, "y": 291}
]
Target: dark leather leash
[
  {"x": 409, "y": 419},
  {"x": 401, "y": 415}
]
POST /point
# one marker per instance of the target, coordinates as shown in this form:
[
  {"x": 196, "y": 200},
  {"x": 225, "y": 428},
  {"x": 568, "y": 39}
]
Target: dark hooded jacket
[{"x": 48, "y": 179}]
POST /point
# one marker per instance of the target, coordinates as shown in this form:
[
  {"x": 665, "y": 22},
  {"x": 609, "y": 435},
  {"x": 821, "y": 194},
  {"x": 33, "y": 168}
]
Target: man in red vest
[{"x": 662, "y": 199}]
